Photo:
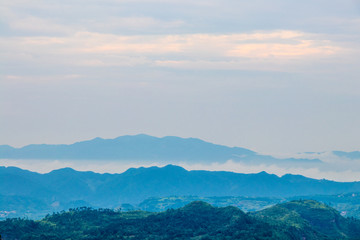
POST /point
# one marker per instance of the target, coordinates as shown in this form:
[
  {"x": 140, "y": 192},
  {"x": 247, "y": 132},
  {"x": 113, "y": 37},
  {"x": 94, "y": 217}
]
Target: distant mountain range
[
  {"x": 350, "y": 155},
  {"x": 144, "y": 148},
  {"x": 67, "y": 187}
]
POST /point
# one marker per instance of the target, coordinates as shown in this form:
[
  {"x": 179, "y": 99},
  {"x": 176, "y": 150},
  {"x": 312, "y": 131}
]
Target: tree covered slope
[{"x": 197, "y": 220}]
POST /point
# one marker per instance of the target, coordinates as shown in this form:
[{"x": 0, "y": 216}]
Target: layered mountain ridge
[{"x": 137, "y": 184}]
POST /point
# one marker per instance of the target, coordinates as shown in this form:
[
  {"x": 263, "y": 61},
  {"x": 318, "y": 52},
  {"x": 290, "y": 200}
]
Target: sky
[{"x": 276, "y": 77}]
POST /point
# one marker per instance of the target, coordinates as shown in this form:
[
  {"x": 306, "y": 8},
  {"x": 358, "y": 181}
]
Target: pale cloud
[
  {"x": 257, "y": 50},
  {"x": 37, "y": 25},
  {"x": 134, "y": 24},
  {"x": 332, "y": 164},
  {"x": 105, "y": 43},
  {"x": 29, "y": 24},
  {"x": 264, "y": 45},
  {"x": 312, "y": 172},
  {"x": 302, "y": 48}
]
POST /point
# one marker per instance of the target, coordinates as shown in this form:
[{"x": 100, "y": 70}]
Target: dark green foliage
[
  {"x": 313, "y": 217},
  {"x": 244, "y": 203},
  {"x": 348, "y": 204},
  {"x": 197, "y": 220}
]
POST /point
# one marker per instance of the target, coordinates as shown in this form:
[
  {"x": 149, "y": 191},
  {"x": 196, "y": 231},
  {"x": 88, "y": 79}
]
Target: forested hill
[{"x": 308, "y": 220}]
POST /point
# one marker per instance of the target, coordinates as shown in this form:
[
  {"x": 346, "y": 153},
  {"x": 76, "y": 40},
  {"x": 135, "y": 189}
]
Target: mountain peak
[
  {"x": 169, "y": 169},
  {"x": 136, "y": 136},
  {"x": 173, "y": 167},
  {"x": 198, "y": 206},
  {"x": 64, "y": 170},
  {"x": 97, "y": 139}
]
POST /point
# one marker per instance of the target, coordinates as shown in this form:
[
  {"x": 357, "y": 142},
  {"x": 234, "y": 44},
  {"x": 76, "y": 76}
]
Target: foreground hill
[
  {"x": 144, "y": 148},
  {"x": 197, "y": 220},
  {"x": 309, "y": 214},
  {"x": 348, "y": 204},
  {"x": 62, "y": 188}
]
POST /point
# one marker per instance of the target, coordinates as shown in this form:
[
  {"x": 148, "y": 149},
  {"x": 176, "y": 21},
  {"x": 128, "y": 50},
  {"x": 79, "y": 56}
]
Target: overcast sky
[{"x": 274, "y": 76}]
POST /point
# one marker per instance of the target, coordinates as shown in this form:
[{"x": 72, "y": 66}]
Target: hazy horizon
[
  {"x": 275, "y": 77},
  {"x": 332, "y": 166},
  {"x": 225, "y": 89},
  {"x": 77, "y": 139}
]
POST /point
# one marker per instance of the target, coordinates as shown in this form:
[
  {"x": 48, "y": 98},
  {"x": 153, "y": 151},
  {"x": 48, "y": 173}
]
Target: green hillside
[
  {"x": 311, "y": 215},
  {"x": 197, "y": 220},
  {"x": 347, "y": 204}
]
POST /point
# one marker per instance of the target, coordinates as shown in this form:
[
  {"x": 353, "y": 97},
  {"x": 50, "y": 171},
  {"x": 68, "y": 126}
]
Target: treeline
[{"x": 197, "y": 220}]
